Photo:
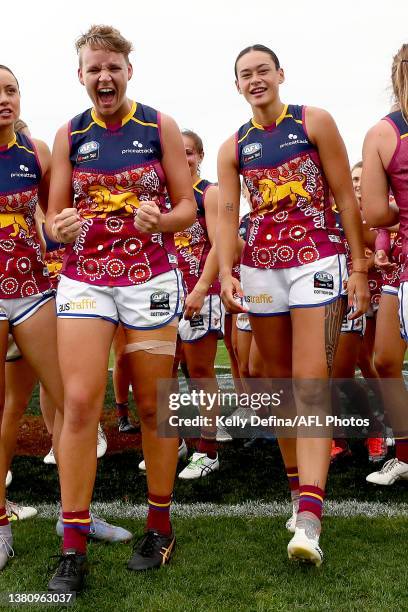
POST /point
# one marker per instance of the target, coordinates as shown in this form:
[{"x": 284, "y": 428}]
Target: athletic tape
[{"x": 155, "y": 347}]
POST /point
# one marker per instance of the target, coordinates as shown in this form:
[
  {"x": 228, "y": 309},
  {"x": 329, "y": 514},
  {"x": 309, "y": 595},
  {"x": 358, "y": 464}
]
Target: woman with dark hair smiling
[{"x": 291, "y": 157}]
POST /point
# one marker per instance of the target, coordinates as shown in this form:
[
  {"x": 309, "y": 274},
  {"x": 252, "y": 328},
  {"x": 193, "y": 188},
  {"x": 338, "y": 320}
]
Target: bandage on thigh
[{"x": 155, "y": 347}]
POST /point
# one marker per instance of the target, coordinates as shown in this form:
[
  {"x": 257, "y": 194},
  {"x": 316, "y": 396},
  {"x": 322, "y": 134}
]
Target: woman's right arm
[
  {"x": 63, "y": 223},
  {"x": 228, "y": 221}
]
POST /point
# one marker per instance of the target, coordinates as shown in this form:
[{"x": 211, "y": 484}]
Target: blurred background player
[{"x": 385, "y": 168}]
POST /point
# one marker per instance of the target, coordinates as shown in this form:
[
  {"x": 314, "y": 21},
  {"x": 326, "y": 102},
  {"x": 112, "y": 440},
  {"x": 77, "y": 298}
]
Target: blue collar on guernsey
[
  {"x": 132, "y": 143},
  {"x": 20, "y": 168},
  {"x": 271, "y": 146}
]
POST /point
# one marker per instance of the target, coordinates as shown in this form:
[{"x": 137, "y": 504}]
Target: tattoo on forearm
[
  {"x": 229, "y": 207},
  {"x": 334, "y": 314}
]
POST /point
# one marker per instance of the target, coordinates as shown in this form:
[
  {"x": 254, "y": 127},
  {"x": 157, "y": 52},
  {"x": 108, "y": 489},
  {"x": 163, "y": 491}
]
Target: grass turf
[
  {"x": 244, "y": 475},
  {"x": 230, "y": 564}
]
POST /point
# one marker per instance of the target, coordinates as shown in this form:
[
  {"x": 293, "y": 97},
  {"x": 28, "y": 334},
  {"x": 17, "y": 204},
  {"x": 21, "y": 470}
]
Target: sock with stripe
[
  {"x": 122, "y": 409},
  {"x": 158, "y": 517},
  {"x": 208, "y": 446},
  {"x": 293, "y": 478},
  {"x": 3, "y": 517},
  {"x": 76, "y": 530},
  {"x": 401, "y": 449},
  {"x": 310, "y": 510}
]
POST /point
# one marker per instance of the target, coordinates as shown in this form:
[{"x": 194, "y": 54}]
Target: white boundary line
[{"x": 346, "y": 508}]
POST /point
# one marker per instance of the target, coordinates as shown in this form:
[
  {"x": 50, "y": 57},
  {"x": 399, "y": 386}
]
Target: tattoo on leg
[
  {"x": 229, "y": 207},
  {"x": 333, "y": 317}
]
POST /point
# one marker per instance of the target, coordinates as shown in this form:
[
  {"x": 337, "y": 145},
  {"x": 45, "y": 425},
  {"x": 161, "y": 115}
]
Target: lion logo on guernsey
[
  {"x": 273, "y": 194},
  {"x": 17, "y": 222},
  {"x": 112, "y": 200}
]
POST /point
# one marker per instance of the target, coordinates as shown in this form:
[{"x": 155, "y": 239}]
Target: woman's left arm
[
  {"x": 149, "y": 219},
  {"x": 324, "y": 134},
  {"x": 44, "y": 156},
  {"x": 195, "y": 299}
]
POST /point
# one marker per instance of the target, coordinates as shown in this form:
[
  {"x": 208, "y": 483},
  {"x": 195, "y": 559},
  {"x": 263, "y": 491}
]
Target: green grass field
[
  {"x": 236, "y": 565},
  {"x": 228, "y": 563}
]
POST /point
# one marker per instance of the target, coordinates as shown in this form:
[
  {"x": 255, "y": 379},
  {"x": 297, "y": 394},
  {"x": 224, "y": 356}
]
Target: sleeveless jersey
[
  {"x": 115, "y": 169},
  {"x": 374, "y": 276},
  {"x": 397, "y": 173},
  {"x": 292, "y": 222},
  {"x": 22, "y": 271},
  {"x": 193, "y": 244},
  {"x": 391, "y": 243}
]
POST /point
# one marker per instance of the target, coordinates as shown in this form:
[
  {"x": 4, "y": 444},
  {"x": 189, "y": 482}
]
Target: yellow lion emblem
[
  {"x": 273, "y": 193},
  {"x": 17, "y": 222},
  {"x": 182, "y": 240},
  {"x": 54, "y": 268},
  {"x": 105, "y": 201}
]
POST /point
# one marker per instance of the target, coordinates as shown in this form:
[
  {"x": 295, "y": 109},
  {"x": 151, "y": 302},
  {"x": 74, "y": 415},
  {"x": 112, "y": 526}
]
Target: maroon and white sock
[
  {"x": 76, "y": 530},
  {"x": 158, "y": 517}
]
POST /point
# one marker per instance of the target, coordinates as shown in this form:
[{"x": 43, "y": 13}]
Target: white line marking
[{"x": 346, "y": 508}]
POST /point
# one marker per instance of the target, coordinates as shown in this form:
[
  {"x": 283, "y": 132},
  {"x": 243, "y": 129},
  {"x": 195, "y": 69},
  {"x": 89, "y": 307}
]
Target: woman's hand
[
  {"x": 194, "y": 303},
  {"x": 67, "y": 226},
  {"x": 358, "y": 294},
  {"x": 148, "y": 217},
  {"x": 381, "y": 261},
  {"x": 230, "y": 289}
]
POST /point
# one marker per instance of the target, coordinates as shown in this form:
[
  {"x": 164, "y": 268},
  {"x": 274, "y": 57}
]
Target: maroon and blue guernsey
[
  {"x": 397, "y": 173},
  {"x": 22, "y": 270},
  {"x": 115, "y": 170},
  {"x": 193, "y": 244},
  {"x": 292, "y": 222},
  {"x": 391, "y": 243}
]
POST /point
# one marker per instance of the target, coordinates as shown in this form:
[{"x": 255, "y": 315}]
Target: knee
[
  {"x": 244, "y": 369},
  {"x": 312, "y": 393},
  {"x": 80, "y": 412},
  {"x": 255, "y": 370},
  {"x": 386, "y": 367},
  {"x": 201, "y": 370},
  {"x": 15, "y": 405},
  {"x": 147, "y": 411}
]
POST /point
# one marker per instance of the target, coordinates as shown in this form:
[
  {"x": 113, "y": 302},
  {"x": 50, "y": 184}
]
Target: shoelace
[
  {"x": 65, "y": 565},
  {"x": 7, "y": 546},
  {"x": 147, "y": 545},
  {"x": 92, "y": 528},
  {"x": 388, "y": 466}
]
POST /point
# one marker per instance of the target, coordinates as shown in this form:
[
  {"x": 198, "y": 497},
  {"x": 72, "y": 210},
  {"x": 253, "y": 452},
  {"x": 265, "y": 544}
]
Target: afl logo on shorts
[
  {"x": 197, "y": 321},
  {"x": 88, "y": 151},
  {"x": 159, "y": 301},
  {"x": 323, "y": 280},
  {"x": 251, "y": 151}
]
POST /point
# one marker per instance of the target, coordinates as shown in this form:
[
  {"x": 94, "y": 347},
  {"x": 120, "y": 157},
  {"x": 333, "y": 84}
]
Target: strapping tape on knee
[{"x": 155, "y": 347}]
